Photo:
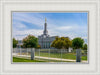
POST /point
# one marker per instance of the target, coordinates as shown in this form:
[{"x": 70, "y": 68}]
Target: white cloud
[
  {"x": 71, "y": 31},
  {"x": 28, "y": 18},
  {"x": 58, "y": 31},
  {"x": 63, "y": 28},
  {"x": 22, "y": 34},
  {"x": 18, "y": 25}
]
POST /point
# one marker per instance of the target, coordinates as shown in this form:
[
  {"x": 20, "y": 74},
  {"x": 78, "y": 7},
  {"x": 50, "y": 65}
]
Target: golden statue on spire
[{"x": 45, "y": 20}]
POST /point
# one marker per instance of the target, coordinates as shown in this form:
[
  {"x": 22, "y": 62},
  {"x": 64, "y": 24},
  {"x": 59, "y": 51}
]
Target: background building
[
  {"x": 45, "y": 40},
  {"x": 19, "y": 44}
]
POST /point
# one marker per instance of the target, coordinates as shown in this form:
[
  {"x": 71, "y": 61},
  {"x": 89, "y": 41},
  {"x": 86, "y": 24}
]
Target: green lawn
[
  {"x": 52, "y": 55},
  {"x": 15, "y": 59},
  {"x": 58, "y": 55}
]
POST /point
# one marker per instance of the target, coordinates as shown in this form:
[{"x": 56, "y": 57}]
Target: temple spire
[
  {"x": 45, "y": 20},
  {"x": 45, "y": 27}
]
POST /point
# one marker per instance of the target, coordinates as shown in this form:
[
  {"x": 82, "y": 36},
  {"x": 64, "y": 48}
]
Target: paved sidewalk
[
  {"x": 46, "y": 58},
  {"x": 54, "y": 58}
]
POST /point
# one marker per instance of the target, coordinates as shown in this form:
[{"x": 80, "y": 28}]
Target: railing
[{"x": 47, "y": 55}]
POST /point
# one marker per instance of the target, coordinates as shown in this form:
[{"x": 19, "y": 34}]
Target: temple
[{"x": 45, "y": 40}]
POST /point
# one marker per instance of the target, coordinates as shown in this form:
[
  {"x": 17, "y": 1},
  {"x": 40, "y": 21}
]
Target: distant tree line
[
  {"x": 28, "y": 42},
  {"x": 65, "y": 43},
  {"x": 15, "y": 42},
  {"x": 60, "y": 43}
]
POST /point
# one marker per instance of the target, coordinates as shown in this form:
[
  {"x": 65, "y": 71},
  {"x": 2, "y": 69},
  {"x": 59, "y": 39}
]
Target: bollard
[
  {"x": 32, "y": 53},
  {"x": 78, "y": 55}
]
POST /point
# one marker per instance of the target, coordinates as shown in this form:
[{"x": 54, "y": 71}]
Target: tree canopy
[
  {"x": 77, "y": 43},
  {"x": 15, "y": 42},
  {"x": 85, "y": 46},
  {"x": 38, "y": 46},
  {"x": 30, "y": 42},
  {"x": 61, "y": 43}
]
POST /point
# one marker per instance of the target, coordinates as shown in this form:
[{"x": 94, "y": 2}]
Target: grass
[
  {"x": 45, "y": 53},
  {"x": 16, "y": 59},
  {"x": 47, "y": 60},
  {"x": 58, "y": 55}
]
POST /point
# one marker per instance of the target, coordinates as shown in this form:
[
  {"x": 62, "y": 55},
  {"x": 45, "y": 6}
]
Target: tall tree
[
  {"x": 77, "y": 43},
  {"x": 85, "y": 47},
  {"x": 15, "y": 42},
  {"x": 30, "y": 42},
  {"x": 61, "y": 43}
]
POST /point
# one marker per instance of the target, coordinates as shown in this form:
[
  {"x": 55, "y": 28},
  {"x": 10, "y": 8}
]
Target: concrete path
[
  {"x": 40, "y": 57},
  {"x": 59, "y": 59}
]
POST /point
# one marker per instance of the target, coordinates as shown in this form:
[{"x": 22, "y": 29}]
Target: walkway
[{"x": 40, "y": 57}]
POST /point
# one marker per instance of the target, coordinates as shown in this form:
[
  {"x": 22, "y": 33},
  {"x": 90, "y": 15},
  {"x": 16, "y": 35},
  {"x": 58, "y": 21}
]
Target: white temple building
[{"x": 45, "y": 40}]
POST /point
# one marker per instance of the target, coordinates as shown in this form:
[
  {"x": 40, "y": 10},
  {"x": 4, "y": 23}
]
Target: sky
[{"x": 66, "y": 24}]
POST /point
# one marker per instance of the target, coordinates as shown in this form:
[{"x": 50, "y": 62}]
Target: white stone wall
[{"x": 45, "y": 42}]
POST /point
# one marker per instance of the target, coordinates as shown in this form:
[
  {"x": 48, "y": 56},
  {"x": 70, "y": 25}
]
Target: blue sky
[{"x": 70, "y": 24}]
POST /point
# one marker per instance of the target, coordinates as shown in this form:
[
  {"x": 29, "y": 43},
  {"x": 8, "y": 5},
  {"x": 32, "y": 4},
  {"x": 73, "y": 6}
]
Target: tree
[
  {"x": 30, "y": 42},
  {"x": 15, "y": 42},
  {"x": 38, "y": 46},
  {"x": 85, "y": 47},
  {"x": 77, "y": 43},
  {"x": 61, "y": 43}
]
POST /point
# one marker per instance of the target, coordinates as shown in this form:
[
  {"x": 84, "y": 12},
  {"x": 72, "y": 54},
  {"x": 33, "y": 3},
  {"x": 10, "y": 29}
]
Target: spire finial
[{"x": 45, "y": 20}]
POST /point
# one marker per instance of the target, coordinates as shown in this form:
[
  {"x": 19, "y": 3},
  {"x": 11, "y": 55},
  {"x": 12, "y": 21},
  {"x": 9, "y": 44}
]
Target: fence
[{"x": 47, "y": 55}]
